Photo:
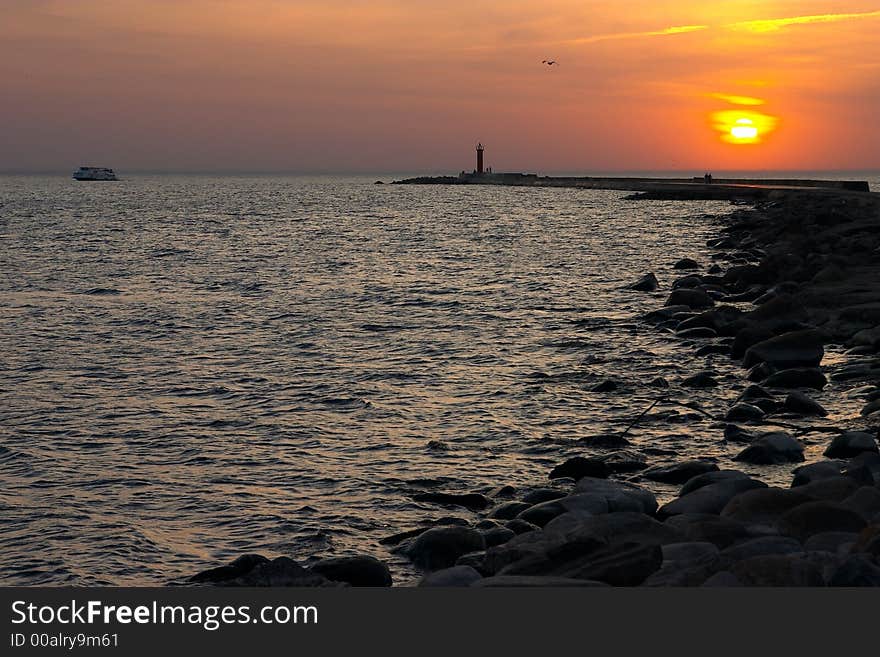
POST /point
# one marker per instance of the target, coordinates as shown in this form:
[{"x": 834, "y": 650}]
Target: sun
[{"x": 744, "y": 129}]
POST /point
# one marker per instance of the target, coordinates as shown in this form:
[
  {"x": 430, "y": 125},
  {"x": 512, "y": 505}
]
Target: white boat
[{"x": 94, "y": 173}]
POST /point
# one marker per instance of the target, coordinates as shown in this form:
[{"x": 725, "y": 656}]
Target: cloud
[
  {"x": 774, "y": 24},
  {"x": 677, "y": 29},
  {"x": 737, "y": 100}
]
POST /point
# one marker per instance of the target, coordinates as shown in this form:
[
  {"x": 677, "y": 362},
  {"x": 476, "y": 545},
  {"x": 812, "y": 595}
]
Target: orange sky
[{"x": 335, "y": 85}]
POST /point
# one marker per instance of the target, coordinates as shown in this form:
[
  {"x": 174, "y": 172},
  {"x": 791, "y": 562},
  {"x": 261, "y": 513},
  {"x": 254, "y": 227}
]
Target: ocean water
[{"x": 196, "y": 367}]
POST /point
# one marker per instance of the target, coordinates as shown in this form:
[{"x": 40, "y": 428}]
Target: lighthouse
[{"x": 479, "y": 159}]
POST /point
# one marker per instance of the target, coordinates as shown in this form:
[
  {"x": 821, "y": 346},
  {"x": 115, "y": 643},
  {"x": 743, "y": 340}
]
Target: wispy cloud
[
  {"x": 774, "y": 24},
  {"x": 737, "y": 100},
  {"x": 677, "y": 29}
]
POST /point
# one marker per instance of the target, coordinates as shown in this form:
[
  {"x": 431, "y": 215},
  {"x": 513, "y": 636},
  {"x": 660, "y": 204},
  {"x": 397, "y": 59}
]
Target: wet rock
[
  {"x": 806, "y": 474},
  {"x": 538, "y": 495},
  {"x": 761, "y": 546},
  {"x": 454, "y": 576},
  {"x": 580, "y": 466},
  {"x": 812, "y": 518},
  {"x": 797, "y": 378},
  {"x": 760, "y": 372},
  {"x": 712, "y": 349},
  {"x": 647, "y": 283},
  {"x": 753, "y": 392},
  {"x": 664, "y": 314},
  {"x": 830, "y": 489},
  {"x": 605, "y": 386},
  {"x": 789, "y": 350},
  {"x": 679, "y": 473},
  {"x": 437, "y": 446},
  {"x": 472, "y": 501},
  {"x": 710, "y": 477},
  {"x": 439, "y": 547},
  {"x": 870, "y": 408},
  {"x": 777, "y": 570},
  {"x": 541, "y": 514},
  {"x": 624, "y": 461},
  {"x": 360, "y": 570},
  {"x": 281, "y": 571},
  {"x": 747, "y": 337},
  {"x": 628, "y": 565},
  {"x": 497, "y": 536},
  {"x": 503, "y": 491},
  {"x": 240, "y": 566},
  {"x": 868, "y": 541},
  {"x": 798, "y": 402},
  {"x": 864, "y": 468},
  {"x": 686, "y": 263},
  {"x": 508, "y": 510},
  {"x": 700, "y": 333},
  {"x": 692, "y": 298},
  {"x": 856, "y": 570},
  {"x": 708, "y": 499},
  {"x": 520, "y": 581},
  {"x": 736, "y": 434},
  {"x": 851, "y": 443},
  {"x": 619, "y": 495},
  {"x": 520, "y": 526},
  {"x": 744, "y": 413},
  {"x": 700, "y": 380},
  {"x": 772, "y": 448},
  {"x": 764, "y": 505}
]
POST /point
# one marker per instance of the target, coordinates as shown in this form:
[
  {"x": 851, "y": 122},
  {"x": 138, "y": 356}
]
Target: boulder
[
  {"x": 870, "y": 408},
  {"x": 454, "y": 576},
  {"x": 541, "y": 514},
  {"x": 700, "y": 379},
  {"x": 679, "y": 473},
  {"x": 789, "y": 350},
  {"x": 834, "y": 542},
  {"x": 763, "y": 505},
  {"x": 619, "y": 495},
  {"x": 851, "y": 443},
  {"x": 708, "y": 499},
  {"x": 647, "y": 283},
  {"x": 538, "y": 495},
  {"x": 497, "y": 536},
  {"x": 736, "y": 434},
  {"x": 753, "y": 392},
  {"x": 865, "y": 501},
  {"x": 580, "y": 466},
  {"x": 761, "y": 546},
  {"x": 624, "y": 461},
  {"x": 744, "y": 413},
  {"x": 864, "y": 468},
  {"x": 240, "y": 566},
  {"x": 281, "y": 571},
  {"x": 359, "y": 570},
  {"x": 748, "y": 336},
  {"x": 710, "y": 477},
  {"x": 812, "y": 518},
  {"x": 686, "y": 263},
  {"x": 707, "y": 527},
  {"x": 439, "y": 547},
  {"x": 777, "y": 571},
  {"x": 772, "y": 448},
  {"x": 830, "y": 489},
  {"x": 856, "y": 570},
  {"x": 807, "y": 474},
  {"x": 520, "y": 526},
  {"x": 508, "y": 510},
  {"x": 472, "y": 501},
  {"x": 692, "y": 298},
  {"x": 625, "y": 565},
  {"x": 797, "y": 378},
  {"x": 608, "y": 385},
  {"x": 799, "y": 403}
]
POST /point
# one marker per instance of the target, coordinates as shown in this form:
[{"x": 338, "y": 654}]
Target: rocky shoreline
[{"x": 792, "y": 276}]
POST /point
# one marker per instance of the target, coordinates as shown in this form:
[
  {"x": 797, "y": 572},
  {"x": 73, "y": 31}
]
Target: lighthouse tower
[{"x": 479, "y": 159}]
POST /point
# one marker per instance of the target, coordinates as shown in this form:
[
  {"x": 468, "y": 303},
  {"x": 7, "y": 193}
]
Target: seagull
[{"x": 549, "y": 62}]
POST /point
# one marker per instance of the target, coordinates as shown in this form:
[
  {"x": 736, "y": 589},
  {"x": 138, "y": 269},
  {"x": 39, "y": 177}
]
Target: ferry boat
[{"x": 94, "y": 173}]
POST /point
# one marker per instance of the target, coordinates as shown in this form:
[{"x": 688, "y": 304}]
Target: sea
[{"x": 193, "y": 367}]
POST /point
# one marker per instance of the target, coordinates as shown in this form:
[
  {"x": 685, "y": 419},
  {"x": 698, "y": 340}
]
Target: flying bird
[{"x": 549, "y": 62}]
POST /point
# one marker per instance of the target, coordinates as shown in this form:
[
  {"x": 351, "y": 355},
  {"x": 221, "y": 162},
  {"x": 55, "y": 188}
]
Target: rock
[
  {"x": 502, "y": 491},
  {"x": 605, "y": 386},
  {"x": 541, "y": 514},
  {"x": 454, "y": 576},
  {"x": 437, "y": 446},
  {"x": 762, "y": 546},
  {"x": 696, "y": 334},
  {"x": 736, "y": 434},
  {"x": 664, "y": 314},
  {"x": 760, "y": 372},
  {"x": 605, "y": 441},
  {"x": 700, "y": 380},
  {"x": 710, "y": 477},
  {"x": 538, "y": 495},
  {"x": 619, "y": 495},
  {"x": 744, "y": 413},
  {"x": 708, "y": 499},
  {"x": 812, "y": 518},
  {"x": 240, "y": 566},
  {"x": 864, "y": 468},
  {"x": 857, "y": 570},
  {"x": 472, "y": 501},
  {"x": 679, "y": 473},
  {"x": 723, "y": 578},
  {"x": 789, "y": 350},
  {"x": 508, "y": 510},
  {"x": 777, "y": 570},
  {"x": 868, "y": 541},
  {"x": 624, "y": 461},
  {"x": 533, "y": 581},
  {"x": 763, "y": 505},
  {"x": 686, "y": 263},
  {"x": 692, "y": 298},
  {"x": 281, "y": 571},
  {"x": 806, "y": 474},
  {"x": 798, "y": 402},
  {"x": 360, "y": 570},
  {"x": 439, "y": 547},
  {"x": 712, "y": 349},
  {"x": 865, "y": 501},
  {"x": 753, "y": 392},
  {"x": 747, "y": 337},
  {"x": 851, "y": 443},
  {"x": 627, "y": 565},
  {"x": 580, "y": 466},
  {"x": 797, "y": 378},
  {"x": 772, "y": 448},
  {"x": 834, "y": 542},
  {"x": 707, "y": 527},
  {"x": 647, "y": 283},
  {"x": 520, "y": 526},
  {"x": 870, "y": 408},
  {"x": 830, "y": 489},
  {"x": 497, "y": 536},
  {"x": 685, "y": 564}
]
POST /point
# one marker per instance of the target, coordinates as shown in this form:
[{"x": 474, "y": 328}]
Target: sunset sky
[{"x": 410, "y": 85}]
